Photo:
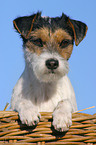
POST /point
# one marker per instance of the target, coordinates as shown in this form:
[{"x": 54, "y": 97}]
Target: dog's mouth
[
  {"x": 51, "y": 75},
  {"x": 52, "y": 71}
]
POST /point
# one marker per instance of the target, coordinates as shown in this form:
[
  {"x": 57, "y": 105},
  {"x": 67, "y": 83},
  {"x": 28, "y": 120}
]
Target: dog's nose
[{"x": 52, "y": 63}]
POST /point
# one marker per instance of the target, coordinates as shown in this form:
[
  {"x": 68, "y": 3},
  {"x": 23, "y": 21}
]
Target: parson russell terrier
[{"x": 44, "y": 85}]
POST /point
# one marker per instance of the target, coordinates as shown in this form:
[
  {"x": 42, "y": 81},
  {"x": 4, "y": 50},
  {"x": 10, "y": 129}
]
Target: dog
[{"x": 44, "y": 85}]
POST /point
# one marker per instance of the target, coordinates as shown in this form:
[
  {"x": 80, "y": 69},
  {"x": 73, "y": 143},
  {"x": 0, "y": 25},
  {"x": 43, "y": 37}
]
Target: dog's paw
[
  {"x": 62, "y": 121},
  {"x": 29, "y": 117}
]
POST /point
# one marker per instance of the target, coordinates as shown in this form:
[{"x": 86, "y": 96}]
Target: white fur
[{"x": 39, "y": 90}]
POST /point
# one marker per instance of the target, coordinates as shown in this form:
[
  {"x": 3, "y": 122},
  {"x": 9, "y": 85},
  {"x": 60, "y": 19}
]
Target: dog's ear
[
  {"x": 79, "y": 29},
  {"x": 24, "y": 25}
]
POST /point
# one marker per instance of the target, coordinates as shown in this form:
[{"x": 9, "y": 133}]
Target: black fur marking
[
  {"x": 80, "y": 30},
  {"x": 76, "y": 29},
  {"x": 24, "y": 23}
]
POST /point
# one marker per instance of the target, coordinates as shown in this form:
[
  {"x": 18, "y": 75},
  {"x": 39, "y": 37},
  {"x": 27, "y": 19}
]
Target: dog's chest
[
  {"x": 47, "y": 96},
  {"x": 48, "y": 102}
]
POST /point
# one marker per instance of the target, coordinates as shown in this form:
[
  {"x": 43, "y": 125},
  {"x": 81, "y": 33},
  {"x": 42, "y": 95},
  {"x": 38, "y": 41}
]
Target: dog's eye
[
  {"x": 37, "y": 42},
  {"x": 64, "y": 43}
]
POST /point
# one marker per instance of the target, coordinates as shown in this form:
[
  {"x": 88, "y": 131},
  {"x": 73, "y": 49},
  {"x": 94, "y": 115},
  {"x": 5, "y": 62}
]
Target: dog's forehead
[
  {"x": 53, "y": 23},
  {"x": 47, "y": 34},
  {"x": 49, "y": 26}
]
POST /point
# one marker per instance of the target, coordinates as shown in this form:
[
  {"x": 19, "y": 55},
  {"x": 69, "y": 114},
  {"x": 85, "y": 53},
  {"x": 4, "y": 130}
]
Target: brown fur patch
[
  {"x": 66, "y": 52},
  {"x": 60, "y": 35},
  {"x": 33, "y": 48},
  {"x": 42, "y": 33},
  {"x": 51, "y": 40}
]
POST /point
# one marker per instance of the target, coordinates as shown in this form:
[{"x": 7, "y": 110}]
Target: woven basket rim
[{"x": 82, "y": 131}]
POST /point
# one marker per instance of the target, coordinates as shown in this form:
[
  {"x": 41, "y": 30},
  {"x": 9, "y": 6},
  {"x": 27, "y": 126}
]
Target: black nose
[{"x": 52, "y": 63}]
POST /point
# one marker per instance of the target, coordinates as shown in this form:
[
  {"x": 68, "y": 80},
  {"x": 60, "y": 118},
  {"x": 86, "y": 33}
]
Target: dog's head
[{"x": 48, "y": 43}]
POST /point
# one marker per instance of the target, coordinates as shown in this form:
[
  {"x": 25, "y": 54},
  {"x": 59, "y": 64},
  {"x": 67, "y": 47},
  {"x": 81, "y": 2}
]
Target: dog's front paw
[
  {"x": 62, "y": 121},
  {"x": 29, "y": 116}
]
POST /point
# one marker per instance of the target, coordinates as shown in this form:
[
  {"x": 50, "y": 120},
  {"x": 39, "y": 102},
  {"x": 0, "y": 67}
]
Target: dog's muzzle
[{"x": 52, "y": 64}]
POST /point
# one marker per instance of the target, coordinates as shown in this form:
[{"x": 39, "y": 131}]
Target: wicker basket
[{"x": 82, "y": 131}]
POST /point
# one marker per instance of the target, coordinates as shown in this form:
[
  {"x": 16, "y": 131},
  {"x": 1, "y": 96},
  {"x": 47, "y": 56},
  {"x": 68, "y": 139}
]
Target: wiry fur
[
  {"x": 39, "y": 88},
  {"x": 37, "y": 65}
]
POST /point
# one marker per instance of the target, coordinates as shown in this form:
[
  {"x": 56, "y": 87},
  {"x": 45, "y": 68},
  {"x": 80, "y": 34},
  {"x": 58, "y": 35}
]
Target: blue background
[{"x": 82, "y": 62}]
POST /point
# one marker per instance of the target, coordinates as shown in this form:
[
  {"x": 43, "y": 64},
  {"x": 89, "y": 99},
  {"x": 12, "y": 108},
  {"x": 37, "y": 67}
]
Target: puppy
[{"x": 44, "y": 85}]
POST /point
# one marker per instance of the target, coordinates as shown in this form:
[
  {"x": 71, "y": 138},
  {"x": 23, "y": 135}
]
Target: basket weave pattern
[{"x": 82, "y": 131}]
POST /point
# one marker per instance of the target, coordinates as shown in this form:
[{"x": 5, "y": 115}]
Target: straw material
[{"x": 82, "y": 131}]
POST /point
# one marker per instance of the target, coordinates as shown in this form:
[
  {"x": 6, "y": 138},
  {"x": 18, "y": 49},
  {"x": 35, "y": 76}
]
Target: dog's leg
[
  {"x": 28, "y": 112},
  {"x": 62, "y": 116}
]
